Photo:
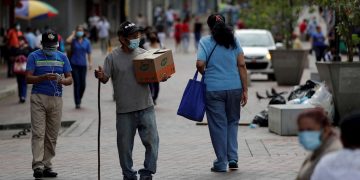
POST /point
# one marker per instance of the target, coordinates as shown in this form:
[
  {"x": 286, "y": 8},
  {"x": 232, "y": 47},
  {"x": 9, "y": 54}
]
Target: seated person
[
  {"x": 343, "y": 164},
  {"x": 317, "y": 136}
]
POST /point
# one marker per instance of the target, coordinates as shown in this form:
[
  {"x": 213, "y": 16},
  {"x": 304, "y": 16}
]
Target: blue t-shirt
[
  {"x": 318, "y": 39},
  {"x": 222, "y": 72},
  {"x": 41, "y": 62},
  {"x": 79, "y": 51}
]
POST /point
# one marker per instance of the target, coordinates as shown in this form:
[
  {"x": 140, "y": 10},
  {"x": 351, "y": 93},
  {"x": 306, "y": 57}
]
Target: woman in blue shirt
[
  {"x": 318, "y": 43},
  {"x": 226, "y": 89},
  {"x": 80, "y": 53}
]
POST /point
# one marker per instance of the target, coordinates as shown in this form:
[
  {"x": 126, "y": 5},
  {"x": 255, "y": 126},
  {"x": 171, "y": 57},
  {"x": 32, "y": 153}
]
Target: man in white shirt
[
  {"x": 103, "y": 27},
  {"x": 343, "y": 164},
  {"x": 93, "y": 20}
]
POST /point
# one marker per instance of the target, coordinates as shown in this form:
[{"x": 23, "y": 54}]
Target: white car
[{"x": 256, "y": 44}]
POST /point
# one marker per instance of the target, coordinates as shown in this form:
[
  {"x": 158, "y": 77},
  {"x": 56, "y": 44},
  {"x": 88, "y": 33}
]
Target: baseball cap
[
  {"x": 127, "y": 28},
  {"x": 49, "y": 39}
]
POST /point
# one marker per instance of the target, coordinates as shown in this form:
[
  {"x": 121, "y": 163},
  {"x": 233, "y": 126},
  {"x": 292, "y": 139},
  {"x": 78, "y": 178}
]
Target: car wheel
[{"x": 271, "y": 77}]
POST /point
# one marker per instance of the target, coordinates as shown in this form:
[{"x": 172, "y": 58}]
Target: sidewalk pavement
[{"x": 185, "y": 149}]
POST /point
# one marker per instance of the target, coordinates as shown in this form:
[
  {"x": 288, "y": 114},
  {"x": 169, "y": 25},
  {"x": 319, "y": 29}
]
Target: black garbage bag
[
  {"x": 262, "y": 119},
  {"x": 277, "y": 100},
  {"x": 306, "y": 90}
]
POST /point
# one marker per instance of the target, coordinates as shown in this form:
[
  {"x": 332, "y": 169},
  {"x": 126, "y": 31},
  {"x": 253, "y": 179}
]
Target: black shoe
[
  {"x": 22, "y": 100},
  {"x": 38, "y": 173},
  {"x": 49, "y": 173},
  {"x": 77, "y": 106},
  {"x": 217, "y": 170},
  {"x": 130, "y": 178},
  {"x": 233, "y": 165},
  {"x": 145, "y": 177}
]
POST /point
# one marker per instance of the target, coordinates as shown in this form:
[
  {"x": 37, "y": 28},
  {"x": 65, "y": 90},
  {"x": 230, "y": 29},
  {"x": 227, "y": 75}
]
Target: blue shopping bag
[{"x": 192, "y": 105}]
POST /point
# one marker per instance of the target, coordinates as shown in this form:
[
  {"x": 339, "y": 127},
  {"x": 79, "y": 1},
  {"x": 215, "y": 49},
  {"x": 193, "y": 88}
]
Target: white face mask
[{"x": 18, "y": 27}]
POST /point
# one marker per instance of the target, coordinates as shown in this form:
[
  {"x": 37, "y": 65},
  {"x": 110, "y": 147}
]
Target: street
[{"x": 185, "y": 148}]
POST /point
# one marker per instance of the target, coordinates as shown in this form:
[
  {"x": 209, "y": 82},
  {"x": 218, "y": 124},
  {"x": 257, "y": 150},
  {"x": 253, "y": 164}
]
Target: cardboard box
[
  {"x": 154, "y": 65},
  {"x": 283, "y": 118}
]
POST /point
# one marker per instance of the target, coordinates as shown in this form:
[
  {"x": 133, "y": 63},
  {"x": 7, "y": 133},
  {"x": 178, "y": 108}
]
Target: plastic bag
[
  {"x": 324, "y": 99},
  {"x": 262, "y": 119},
  {"x": 306, "y": 90}
]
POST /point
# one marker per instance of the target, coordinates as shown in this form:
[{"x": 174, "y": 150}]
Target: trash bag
[
  {"x": 262, "y": 119},
  {"x": 277, "y": 100},
  {"x": 306, "y": 90},
  {"x": 324, "y": 99}
]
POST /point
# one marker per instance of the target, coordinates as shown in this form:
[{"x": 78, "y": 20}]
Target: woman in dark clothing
[{"x": 80, "y": 54}]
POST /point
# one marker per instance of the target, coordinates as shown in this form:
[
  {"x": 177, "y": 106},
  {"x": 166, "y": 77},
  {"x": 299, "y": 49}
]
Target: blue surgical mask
[
  {"x": 134, "y": 43},
  {"x": 79, "y": 34},
  {"x": 310, "y": 140}
]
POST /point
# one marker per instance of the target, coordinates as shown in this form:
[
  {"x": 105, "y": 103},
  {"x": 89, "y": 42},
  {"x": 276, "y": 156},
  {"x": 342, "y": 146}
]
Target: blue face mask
[
  {"x": 134, "y": 43},
  {"x": 310, "y": 140},
  {"x": 79, "y": 34}
]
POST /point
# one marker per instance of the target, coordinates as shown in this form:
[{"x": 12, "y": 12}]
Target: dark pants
[
  {"x": 197, "y": 36},
  {"x": 319, "y": 52},
  {"x": 22, "y": 86},
  {"x": 155, "y": 88},
  {"x": 79, "y": 77},
  {"x": 10, "y": 61}
]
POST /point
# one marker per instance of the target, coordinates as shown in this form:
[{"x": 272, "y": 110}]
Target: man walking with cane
[{"x": 134, "y": 104}]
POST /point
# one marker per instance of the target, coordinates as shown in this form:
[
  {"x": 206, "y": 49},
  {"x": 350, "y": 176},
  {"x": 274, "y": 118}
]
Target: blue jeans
[
  {"x": 79, "y": 77},
  {"x": 223, "y": 115},
  {"x": 126, "y": 125}
]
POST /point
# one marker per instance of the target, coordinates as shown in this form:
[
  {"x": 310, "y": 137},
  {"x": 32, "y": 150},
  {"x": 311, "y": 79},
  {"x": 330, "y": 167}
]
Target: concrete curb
[
  {"x": 78, "y": 128},
  {"x": 8, "y": 91}
]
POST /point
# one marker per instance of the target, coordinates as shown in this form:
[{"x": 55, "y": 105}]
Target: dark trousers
[
  {"x": 319, "y": 52},
  {"x": 155, "y": 88},
  {"x": 79, "y": 77},
  {"x": 22, "y": 86}
]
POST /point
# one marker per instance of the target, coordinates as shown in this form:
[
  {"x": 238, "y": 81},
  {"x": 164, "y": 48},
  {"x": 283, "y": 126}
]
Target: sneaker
[
  {"x": 49, "y": 173},
  {"x": 145, "y": 177},
  {"x": 217, "y": 170},
  {"x": 233, "y": 165},
  {"x": 38, "y": 173},
  {"x": 130, "y": 178}
]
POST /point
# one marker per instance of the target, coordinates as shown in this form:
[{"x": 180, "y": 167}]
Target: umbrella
[{"x": 32, "y": 9}]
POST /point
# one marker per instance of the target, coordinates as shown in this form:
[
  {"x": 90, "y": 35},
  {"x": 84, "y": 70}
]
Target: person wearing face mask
[
  {"x": 80, "y": 54},
  {"x": 317, "y": 136},
  {"x": 154, "y": 43},
  {"x": 134, "y": 104},
  {"x": 48, "y": 70}
]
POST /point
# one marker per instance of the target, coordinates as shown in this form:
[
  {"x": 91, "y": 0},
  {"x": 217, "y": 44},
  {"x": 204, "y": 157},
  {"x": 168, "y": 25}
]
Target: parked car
[{"x": 256, "y": 44}]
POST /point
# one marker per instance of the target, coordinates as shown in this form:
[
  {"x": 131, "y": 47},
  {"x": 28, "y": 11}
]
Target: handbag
[
  {"x": 192, "y": 105},
  {"x": 20, "y": 64}
]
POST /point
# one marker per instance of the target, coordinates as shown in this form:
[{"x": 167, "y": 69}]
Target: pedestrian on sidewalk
[
  {"x": 226, "y": 89},
  {"x": 317, "y": 136},
  {"x": 80, "y": 60},
  {"x": 134, "y": 105},
  {"x": 343, "y": 164},
  {"x": 103, "y": 27},
  {"x": 47, "y": 69},
  {"x": 318, "y": 43},
  {"x": 153, "y": 44},
  {"x": 197, "y": 31},
  {"x": 177, "y": 34},
  {"x": 13, "y": 44},
  {"x": 185, "y": 35},
  {"x": 20, "y": 68}
]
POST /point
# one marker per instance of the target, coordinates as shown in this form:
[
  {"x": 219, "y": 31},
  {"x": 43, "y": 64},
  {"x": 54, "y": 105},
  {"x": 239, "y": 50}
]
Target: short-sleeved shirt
[
  {"x": 129, "y": 95},
  {"x": 42, "y": 62},
  {"x": 318, "y": 39},
  {"x": 222, "y": 72},
  {"x": 79, "y": 51}
]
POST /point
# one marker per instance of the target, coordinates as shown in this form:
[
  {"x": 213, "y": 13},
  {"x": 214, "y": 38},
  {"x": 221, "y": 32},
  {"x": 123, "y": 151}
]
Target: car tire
[{"x": 271, "y": 77}]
